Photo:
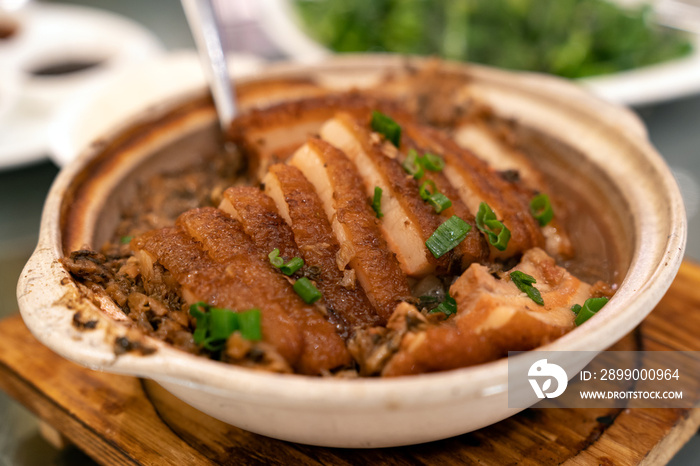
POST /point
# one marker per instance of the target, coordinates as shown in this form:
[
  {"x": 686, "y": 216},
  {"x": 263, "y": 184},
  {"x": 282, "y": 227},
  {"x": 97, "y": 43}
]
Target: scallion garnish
[
  {"x": 412, "y": 165},
  {"x": 385, "y": 125},
  {"x": 524, "y": 283},
  {"x": 447, "y": 307},
  {"x": 126, "y": 239},
  {"x": 588, "y": 310},
  {"x": 215, "y": 325},
  {"x": 447, "y": 236},
  {"x": 307, "y": 290},
  {"x": 425, "y": 189},
  {"x": 288, "y": 268},
  {"x": 541, "y": 209},
  {"x": 436, "y": 199},
  {"x": 294, "y": 264},
  {"x": 377, "y": 202},
  {"x": 432, "y": 162},
  {"x": 495, "y": 230},
  {"x": 275, "y": 258}
]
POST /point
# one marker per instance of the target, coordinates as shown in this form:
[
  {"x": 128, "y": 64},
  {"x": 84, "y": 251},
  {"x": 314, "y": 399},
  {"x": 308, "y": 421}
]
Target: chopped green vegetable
[
  {"x": 447, "y": 236},
  {"x": 432, "y": 162},
  {"x": 126, "y": 239},
  {"x": 495, "y": 230},
  {"x": 447, "y": 307},
  {"x": 377, "y": 202},
  {"x": 524, "y": 283},
  {"x": 571, "y": 38},
  {"x": 439, "y": 202},
  {"x": 588, "y": 310},
  {"x": 288, "y": 268},
  {"x": 215, "y": 325},
  {"x": 385, "y": 125},
  {"x": 307, "y": 290},
  {"x": 436, "y": 199},
  {"x": 412, "y": 165},
  {"x": 294, "y": 264},
  {"x": 275, "y": 258},
  {"x": 541, "y": 209}
]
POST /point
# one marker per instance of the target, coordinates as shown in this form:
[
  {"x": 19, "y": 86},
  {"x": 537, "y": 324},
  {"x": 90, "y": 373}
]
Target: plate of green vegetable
[{"x": 619, "y": 49}]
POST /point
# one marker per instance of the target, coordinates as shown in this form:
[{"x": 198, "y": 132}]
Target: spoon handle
[{"x": 205, "y": 30}]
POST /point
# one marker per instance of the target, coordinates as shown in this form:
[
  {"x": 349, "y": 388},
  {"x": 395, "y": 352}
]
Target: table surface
[{"x": 673, "y": 128}]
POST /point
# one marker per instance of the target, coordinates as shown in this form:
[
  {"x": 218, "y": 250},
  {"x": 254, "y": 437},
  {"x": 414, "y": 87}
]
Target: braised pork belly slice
[
  {"x": 486, "y": 143},
  {"x": 271, "y": 135},
  {"x": 294, "y": 196},
  {"x": 203, "y": 279},
  {"x": 226, "y": 243},
  {"x": 354, "y": 224},
  {"x": 260, "y": 220},
  {"x": 493, "y": 317},
  {"x": 407, "y": 221},
  {"x": 476, "y": 182},
  {"x": 474, "y": 248}
]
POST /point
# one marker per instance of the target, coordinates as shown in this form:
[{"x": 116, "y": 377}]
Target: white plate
[
  {"x": 643, "y": 86},
  {"x": 51, "y": 34},
  {"x": 96, "y": 110}
]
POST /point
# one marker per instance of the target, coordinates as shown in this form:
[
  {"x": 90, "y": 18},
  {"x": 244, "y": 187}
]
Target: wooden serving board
[{"x": 124, "y": 420}]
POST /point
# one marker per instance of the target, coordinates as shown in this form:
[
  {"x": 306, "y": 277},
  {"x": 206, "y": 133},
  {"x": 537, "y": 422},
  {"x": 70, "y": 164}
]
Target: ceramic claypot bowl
[{"x": 598, "y": 150}]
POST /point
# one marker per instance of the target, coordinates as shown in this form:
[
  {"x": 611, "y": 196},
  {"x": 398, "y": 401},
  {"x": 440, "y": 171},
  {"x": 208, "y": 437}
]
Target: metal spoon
[{"x": 205, "y": 30}]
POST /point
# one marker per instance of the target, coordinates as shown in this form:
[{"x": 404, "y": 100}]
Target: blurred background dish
[
  {"x": 56, "y": 51},
  {"x": 129, "y": 92},
  {"x": 624, "y": 53}
]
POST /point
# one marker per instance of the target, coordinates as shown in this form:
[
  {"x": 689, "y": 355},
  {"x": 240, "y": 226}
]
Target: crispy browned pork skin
[
  {"x": 299, "y": 204},
  {"x": 354, "y": 223},
  {"x": 493, "y": 317},
  {"x": 225, "y": 242}
]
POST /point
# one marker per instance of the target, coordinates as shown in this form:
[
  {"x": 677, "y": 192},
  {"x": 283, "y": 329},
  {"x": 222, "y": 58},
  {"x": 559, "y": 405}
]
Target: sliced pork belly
[
  {"x": 271, "y": 135},
  {"x": 354, "y": 223},
  {"x": 476, "y": 182},
  {"x": 407, "y": 221},
  {"x": 474, "y": 248},
  {"x": 296, "y": 198},
  {"x": 258, "y": 215},
  {"x": 203, "y": 279},
  {"x": 493, "y": 317},
  {"x": 224, "y": 241},
  {"x": 488, "y": 144}
]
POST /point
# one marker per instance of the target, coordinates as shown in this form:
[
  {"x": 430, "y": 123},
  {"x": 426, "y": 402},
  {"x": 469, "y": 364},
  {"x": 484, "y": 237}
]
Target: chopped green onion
[
  {"x": 524, "y": 283},
  {"x": 307, "y": 290},
  {"x": 576, "y": 308},
  {"x": 447, "y": 307},
  {"x": 385, "y": 125},
  {"x": 250, "y": 324},
  {"x": 377, "y": 202},
  {"x": 447, "y": 236},
  {"x": 588, "y": 310},
  {"x": 275, "y": 258},
  {"x": 439, "y": 202},
  {"x": 412, "y": 165},
  {"x": 495, "y": 230},
  {"x": 126, "y": 239},
  {"x": 541, "y": 209},
  {"x": 215, "y": 325},
  {"x": 436, "y": 199},
  {"x": 424, "y": 192},
  {"x": 432, "y": 162},
  {"x": 292, "y": 266}
]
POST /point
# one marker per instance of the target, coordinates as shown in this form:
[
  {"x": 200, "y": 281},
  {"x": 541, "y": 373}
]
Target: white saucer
[
  {"x": 134, "y": 89},
  {"x": 48, "y": 35}
]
